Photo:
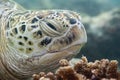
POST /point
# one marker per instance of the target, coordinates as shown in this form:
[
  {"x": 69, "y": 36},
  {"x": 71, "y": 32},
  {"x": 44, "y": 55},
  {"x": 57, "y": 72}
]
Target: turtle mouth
[{"x": 73, "y": 48}]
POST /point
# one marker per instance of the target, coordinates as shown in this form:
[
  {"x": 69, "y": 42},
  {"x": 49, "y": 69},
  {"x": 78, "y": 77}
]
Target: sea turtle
[{"x": 33, "y": 41}]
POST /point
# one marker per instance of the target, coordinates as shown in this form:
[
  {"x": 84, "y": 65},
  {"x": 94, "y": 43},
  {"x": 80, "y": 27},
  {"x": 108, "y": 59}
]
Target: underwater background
[{"x": 101, "y": 19}]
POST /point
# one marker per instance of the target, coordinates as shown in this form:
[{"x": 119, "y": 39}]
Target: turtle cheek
[
  {"x": 54, "y": 47},
  {"x": 58, "y": 44}
]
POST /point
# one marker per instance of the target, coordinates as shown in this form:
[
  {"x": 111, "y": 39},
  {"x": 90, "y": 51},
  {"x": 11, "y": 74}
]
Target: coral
[{"x": 103, "y": 69}]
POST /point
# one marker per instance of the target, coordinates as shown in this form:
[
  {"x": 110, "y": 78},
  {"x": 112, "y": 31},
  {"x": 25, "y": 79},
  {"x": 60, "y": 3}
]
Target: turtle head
[
  {"x": 69, "y": 34},
  {"x": 47, "y": 35},
  {"x": 64, "y": 34}
]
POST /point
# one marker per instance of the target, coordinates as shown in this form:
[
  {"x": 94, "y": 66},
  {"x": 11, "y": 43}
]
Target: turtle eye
[{"x": 51, "y": 26}]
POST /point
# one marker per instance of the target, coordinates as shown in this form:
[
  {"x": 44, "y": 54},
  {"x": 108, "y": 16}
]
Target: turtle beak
[{"x": 79, "y": 33}]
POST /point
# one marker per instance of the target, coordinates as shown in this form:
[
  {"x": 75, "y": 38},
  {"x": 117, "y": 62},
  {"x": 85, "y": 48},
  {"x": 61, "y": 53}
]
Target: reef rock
[{"x": 103, "y": 69}]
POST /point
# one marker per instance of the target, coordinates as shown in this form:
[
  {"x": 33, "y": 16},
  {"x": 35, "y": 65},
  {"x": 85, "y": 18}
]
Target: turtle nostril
[{"x": 72, "y": 21}]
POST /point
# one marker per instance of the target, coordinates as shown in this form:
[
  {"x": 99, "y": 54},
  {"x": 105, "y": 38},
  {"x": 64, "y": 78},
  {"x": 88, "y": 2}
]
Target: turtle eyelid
[{"x": 51, "y": 26}]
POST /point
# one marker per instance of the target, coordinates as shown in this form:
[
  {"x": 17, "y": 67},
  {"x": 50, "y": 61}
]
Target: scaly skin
[{"x": 34, "y": 41}]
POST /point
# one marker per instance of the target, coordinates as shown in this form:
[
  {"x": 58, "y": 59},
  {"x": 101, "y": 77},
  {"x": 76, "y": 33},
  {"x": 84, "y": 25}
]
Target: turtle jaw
[
  {"x": 70, "y": 51},
  {"x": 49, "y": 62}
]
